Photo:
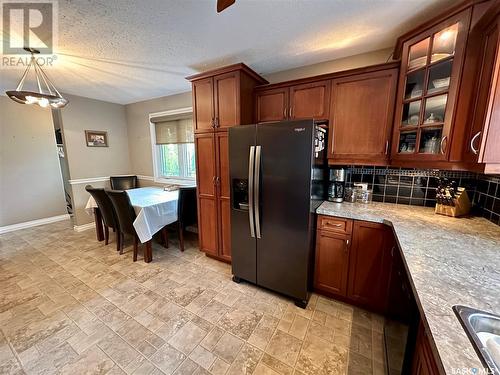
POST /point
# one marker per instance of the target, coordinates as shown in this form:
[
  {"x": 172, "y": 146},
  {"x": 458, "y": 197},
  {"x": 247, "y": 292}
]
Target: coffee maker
[{"x": 336, "y": 185}]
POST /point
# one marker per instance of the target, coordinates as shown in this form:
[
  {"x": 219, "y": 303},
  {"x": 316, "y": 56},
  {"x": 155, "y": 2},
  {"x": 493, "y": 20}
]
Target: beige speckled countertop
[{"x": 451, "y": 261}]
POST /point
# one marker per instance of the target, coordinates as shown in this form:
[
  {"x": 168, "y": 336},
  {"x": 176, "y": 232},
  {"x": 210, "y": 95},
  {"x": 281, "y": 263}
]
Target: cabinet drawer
[{"x": 334, "y": 224}]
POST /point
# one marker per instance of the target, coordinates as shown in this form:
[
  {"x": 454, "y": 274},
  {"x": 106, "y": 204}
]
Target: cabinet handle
[
  {"x": 474, "y": 150},
  {"x": 442, "y": 143},
  {"x": 386, "y": 146},
  {"x": 290, "y": 111},
  {"x": 346, "y": 246},
  {"x": 334, "y": 225},
  {"x": 213, "y": 180},
  {"x": 331, "y": 135},
  {"x": 213, "y": 124},
  {"x": 284, "y": 113}
]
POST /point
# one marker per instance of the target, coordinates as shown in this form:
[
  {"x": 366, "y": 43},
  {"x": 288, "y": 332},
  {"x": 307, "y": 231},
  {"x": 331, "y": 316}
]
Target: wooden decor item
[{"x": 460, "y": 205}]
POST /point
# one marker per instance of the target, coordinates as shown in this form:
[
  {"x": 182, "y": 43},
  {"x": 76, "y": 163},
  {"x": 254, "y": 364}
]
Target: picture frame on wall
[{"x": 96, "y": 138}]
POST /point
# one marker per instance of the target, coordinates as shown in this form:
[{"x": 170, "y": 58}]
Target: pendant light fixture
[{"x": 47, "y": 94}]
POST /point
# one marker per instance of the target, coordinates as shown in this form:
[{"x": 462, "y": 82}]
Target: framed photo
[{"x": 95, "y": 138}]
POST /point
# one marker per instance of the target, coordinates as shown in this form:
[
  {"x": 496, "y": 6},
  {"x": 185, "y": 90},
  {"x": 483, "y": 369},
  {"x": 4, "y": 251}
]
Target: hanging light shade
[{"x": 47, "y": 94}]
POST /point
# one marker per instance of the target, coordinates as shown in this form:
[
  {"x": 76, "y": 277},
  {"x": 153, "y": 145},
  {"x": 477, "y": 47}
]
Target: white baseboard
[
  {"x": 81, "y": 228},
  {"x": 33, "y": 223}
]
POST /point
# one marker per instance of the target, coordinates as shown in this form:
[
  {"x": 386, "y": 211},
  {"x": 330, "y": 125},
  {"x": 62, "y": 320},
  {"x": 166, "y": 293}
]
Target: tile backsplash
[
  {"x": 418, "y": 187},
  {"x": 487, "y": 197}
]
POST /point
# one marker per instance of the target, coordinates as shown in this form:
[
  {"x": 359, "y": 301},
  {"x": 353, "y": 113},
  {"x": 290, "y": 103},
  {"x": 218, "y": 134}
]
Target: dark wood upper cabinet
[
  {"x": 489, "y": 152},
  {"x": 479, "y": 63},
  {"x": 271, "y": 105},
  {"x": 332, "y": 263},
  {"x": 227, "y": 100},
  {"x": 446, "y": 78},
  {"x": 431, "y": 67},
  {"x": 370, "y": 265},
  {"x": 300, "y": 101},
  {"x": 223, "y": 97},
  {"x": 361, "y": 115},
  {"x": 309, "y": 100},
  {"x": 203, "y": 104}
]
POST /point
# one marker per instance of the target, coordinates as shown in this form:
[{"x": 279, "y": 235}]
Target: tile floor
[{"x": 71, "y": 305}]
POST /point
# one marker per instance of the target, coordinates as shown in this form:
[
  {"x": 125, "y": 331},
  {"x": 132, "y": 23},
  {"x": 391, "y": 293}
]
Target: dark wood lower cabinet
[
  {"x": 354, "y": 267},
  {"x": 332, "y": 257},
  {"x": 369, "y": 264},
  {"x": 207, "y": 225},
  {"x": 214, "y": 207},
  {"x": 207, "y": 197},
  {"x": 423, "y": 358}
]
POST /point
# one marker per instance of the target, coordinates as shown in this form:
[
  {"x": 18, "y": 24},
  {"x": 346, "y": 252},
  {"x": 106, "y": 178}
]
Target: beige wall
[
  {"x": 86, "y": 162},
  {"x": 88, "y": 114},
  {"x": 138, "y": 128},
  {"x": 346, "y": 63},
  {"x": 30, "y": 179}
]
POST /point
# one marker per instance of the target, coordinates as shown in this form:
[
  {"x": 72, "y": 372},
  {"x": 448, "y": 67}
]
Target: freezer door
[
  {"x": 241, "y": 171},
  {"x": 283, "y": 226}
]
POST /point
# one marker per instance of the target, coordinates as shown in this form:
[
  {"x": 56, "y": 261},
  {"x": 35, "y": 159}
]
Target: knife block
[{"x": 461, "y": 208}]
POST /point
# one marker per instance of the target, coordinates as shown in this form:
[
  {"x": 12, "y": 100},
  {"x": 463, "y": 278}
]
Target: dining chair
[
  {"x": 187, "y": 213},
  {"x": 108, "y": 213},
  {"x": 123, "y": 182},
  {"x": 126, "y": 216}
]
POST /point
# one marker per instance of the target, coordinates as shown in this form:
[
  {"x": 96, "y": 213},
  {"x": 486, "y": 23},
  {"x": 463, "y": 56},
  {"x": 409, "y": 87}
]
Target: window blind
[{"x": 174, "y": 131}]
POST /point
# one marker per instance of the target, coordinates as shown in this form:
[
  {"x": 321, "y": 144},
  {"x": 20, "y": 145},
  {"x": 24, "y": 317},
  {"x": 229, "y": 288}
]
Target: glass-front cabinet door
[{"x": 431, "y": 65}]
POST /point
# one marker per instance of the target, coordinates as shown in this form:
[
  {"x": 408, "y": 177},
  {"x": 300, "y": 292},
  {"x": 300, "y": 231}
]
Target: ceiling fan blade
[{"x": 223, "y": 4}]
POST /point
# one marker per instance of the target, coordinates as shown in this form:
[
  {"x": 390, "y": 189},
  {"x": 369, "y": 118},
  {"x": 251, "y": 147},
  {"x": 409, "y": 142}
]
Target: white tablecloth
[{"x": 154, "y": 208}]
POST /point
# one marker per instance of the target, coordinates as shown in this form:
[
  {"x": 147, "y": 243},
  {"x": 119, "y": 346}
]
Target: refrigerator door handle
[
  {"x": 250, "y": 190},
  {"x": 258, "y": 153}
]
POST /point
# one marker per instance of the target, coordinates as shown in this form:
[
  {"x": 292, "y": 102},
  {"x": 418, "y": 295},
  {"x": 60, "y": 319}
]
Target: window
[
  {"x": 173, "y": 147},
  {"x": 176, "y": 160}
]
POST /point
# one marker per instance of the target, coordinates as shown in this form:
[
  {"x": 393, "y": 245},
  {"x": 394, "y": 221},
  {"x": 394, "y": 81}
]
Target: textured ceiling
[{"x": 125, "y": 51}]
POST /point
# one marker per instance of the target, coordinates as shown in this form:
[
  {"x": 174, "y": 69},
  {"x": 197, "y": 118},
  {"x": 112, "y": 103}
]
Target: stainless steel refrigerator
[{"x": 277, "y": 176}]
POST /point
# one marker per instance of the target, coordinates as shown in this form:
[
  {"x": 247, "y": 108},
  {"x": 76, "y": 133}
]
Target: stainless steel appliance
[
  {"x": 277, "y": 179},
  {"x": 336, "y": 185},
  {"x": 402, "y": 320}
]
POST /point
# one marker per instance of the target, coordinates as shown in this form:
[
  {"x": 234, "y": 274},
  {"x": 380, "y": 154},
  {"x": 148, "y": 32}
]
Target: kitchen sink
[{"x": 483, "y": 329}]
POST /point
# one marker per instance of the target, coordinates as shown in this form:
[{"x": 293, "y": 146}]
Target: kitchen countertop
[{"x": 451, "y": 261}]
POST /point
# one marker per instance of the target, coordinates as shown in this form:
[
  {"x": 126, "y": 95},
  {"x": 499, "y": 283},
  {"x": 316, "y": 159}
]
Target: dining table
[{"x": 154, "y": 208}]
